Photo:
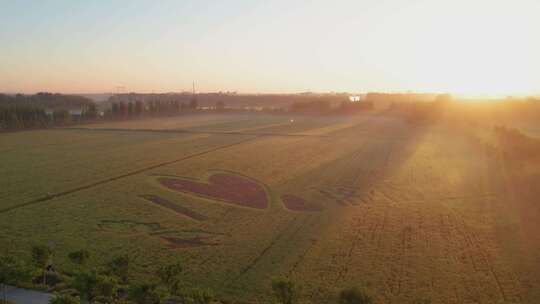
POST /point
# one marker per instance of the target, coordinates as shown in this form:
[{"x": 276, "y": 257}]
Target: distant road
[{"x": 27, "y": 296}]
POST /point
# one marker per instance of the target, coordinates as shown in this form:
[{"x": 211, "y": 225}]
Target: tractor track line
[
  {"x": 187, "y": 131},
  {"x": 115, "y": 178}
]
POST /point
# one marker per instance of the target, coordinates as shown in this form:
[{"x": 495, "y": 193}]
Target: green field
[{"x": 408, "y": 211}]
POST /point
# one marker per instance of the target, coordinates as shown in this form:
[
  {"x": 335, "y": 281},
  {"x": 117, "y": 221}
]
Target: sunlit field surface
[{"x": 445, "y": 210}]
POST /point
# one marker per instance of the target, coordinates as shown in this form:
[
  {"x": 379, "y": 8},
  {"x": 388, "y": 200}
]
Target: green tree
[
  {"x": 41, "y": 257},
  {"x": 105, "y": 288},
  {"x": 169, "y": 276},
  {"x": 354, "y": 295},
  {"x": 119, "y": 267},
  {"x": 85, "y": 283},
  {"x": 92, "y": 285},
  {"x": 284, "y": 290},
  {"x": 79, "y": 257},
  {"x": 64, "y": 299},
  {"x": 146, "y": 293},
  {"x": 13, "y": 271}
]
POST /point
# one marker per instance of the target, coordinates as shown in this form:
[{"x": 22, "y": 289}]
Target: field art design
[
  {"x": 225, "y": 187},
  {"x": 173, "y": 238}
]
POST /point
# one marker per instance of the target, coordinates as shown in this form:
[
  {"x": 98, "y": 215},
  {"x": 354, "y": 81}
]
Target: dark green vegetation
[
  {"x": 44, "y": 110},
  {"x": 410, "y": 208}
]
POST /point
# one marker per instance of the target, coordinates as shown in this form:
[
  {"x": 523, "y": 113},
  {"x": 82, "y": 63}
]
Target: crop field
[{"x": 408, "y": 211}]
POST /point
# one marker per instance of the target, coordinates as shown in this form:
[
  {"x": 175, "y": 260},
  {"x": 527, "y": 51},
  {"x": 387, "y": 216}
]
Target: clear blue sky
[{"x": 466, "y": 46}]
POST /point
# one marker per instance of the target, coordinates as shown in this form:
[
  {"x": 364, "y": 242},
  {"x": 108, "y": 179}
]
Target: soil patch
[
  {"x": 174, "y": 207},
  {"x": 296, "y": 203},
  {"x": 224, "y": 187}
]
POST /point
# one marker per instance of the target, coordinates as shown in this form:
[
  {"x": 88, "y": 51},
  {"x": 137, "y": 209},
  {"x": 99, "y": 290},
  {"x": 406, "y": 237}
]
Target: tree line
[
  {"x": 113, "y": 282},
  {"x": 137, "y": 108},
  {"x": 108, "y": 283},
  {"x": 30, "y": 111}
]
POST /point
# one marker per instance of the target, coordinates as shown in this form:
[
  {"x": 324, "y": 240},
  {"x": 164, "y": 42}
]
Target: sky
[{"x": 476, "y": 47}]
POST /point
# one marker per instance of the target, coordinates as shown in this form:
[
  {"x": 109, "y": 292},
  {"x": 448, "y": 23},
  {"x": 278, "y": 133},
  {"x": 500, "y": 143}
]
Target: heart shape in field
[{"x": 224, "y": 187}]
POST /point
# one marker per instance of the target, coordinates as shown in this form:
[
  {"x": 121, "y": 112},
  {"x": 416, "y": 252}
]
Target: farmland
[{"x": 409, "y": 211}]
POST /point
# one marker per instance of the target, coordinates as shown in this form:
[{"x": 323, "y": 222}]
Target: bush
[
  {"x": 354, "y": 295},
  {"x": 64, "y": 299},
  {"x": 146, "y": 293},
  {"x": 284, "y": 291},
  {"x": 196, "y": 296}
]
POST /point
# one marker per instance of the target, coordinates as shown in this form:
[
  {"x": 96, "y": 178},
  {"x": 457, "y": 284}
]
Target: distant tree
[
  {"x": 64, "y": 299},
  {"x": 193, "y": 104},
  {"x": 119, "y": 267},
  {"x": 169, "y": 276},
  {"x": 146, "y": 293},
  {"x": 131, "y": 109},
  {"x": 139, "y": 108},
  {"x": 79, "y": 257},
  {"x": 90, "y": 112},
  {"x": 61, "y": 116},
  {"x": 284, "y": 291},
  {"x": 122, "y": 109},
  {"x": 220, "y": 105},
  {"x": 16, "y": 116},
  {"x": 115, "y": 110},
  {"x": 41, "y": 257},
  {"x": 354, "y": 295}
]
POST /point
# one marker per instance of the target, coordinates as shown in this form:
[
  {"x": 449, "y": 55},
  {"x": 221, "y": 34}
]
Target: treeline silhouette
[
  {"x": 47, "y": 100},
  {"x": 232, "y": 100},
  {"x": 43, "y": 110},
  {"x": 136, "y": 105},
  {"x": 137, "y": 108}
]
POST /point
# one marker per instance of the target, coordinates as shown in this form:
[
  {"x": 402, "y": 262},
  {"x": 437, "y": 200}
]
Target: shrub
[
  {"x": 354, "y": 295},
  {"x": 119, "y": 267},
  {"x": 79, "y": 257},
  {"x": 197, "y": 296},
  {"x": 64, "y": 299},
  {"x": 284, "y": 291},
  {"x": 146, "y": 293}
]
